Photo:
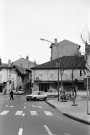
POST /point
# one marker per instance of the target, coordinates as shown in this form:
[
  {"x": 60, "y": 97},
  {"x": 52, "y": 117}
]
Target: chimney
[
  {"x": 27, "y": 57},
  {"x": 9, "y": 62},
  {"x": 55, "y": 41}
]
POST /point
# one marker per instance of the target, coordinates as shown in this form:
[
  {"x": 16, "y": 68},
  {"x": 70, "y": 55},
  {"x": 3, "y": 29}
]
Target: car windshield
[{"x": 37, "y": 93}]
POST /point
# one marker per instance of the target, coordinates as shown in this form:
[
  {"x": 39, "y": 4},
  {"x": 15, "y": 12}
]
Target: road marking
[
  {"x": 48, "y": 113},
  {"x": 4, "y": 113},
  {"x": 37, "y": 106},
  {"x": 8, "y": 106},
  {"x": 20, "y": 131},
  {"x": 23, "y": 114},
  {"x": 19, "y": 113},
  {"x": 67, "y": 134},
  {"x": 24, "y": 107},
  {"x": 33, "y": 112},
  {"x": 48, "y": 130}
]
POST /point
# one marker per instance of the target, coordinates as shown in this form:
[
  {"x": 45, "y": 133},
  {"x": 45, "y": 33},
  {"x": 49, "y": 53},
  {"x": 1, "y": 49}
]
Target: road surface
[{"x": 19, "y": 117}]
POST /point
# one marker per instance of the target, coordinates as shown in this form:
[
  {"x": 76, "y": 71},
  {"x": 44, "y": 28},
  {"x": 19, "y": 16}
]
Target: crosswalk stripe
[
  {"x": 33, "y": 112},
  {"x": 4, "y": 112},
  {"x": 19, "y": 113},
  {"x": 48, "y": 113},
  {"x": 20, "y": 131}
]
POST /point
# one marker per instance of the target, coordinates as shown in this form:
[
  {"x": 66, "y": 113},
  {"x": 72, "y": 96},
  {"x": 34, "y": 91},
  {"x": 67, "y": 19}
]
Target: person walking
[{"x": 11, "y": 95}]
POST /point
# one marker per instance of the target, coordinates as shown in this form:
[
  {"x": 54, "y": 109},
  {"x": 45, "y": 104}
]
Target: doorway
[
  {"x": 1, "y": 89},
  {"x": 43, "y": 87}
]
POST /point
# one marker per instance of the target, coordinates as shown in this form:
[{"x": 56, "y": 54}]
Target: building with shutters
[{"x": 45, "y": 76}]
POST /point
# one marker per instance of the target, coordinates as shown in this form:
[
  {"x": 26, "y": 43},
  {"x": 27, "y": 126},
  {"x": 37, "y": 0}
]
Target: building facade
[
  {"x": 64, "y": 48},
  {"x": 25, "y": 63},
  {"x": 45, "y": 76},
  {"x": 13, "y": 77}
]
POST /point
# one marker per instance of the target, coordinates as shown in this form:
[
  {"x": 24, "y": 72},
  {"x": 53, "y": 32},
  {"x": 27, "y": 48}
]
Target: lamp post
[
  {"x": 87, "y": 59},
  {"x": 58, "y": 63},
  {"x": 61, "y": 73}
]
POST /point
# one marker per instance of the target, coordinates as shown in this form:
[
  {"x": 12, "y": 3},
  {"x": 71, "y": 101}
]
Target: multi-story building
[
  {"x": 45, "y": 76},
  {"x": 64, "y": 48},
  {"x": 25, "y": 63},
  {"x": 12, "y": 76}
]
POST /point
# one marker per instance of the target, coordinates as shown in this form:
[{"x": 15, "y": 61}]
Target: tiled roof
[
  {"x": 4, "y": 65},
  {"x": 20, "y": 69},
  {"x": 66, "y": 62}
]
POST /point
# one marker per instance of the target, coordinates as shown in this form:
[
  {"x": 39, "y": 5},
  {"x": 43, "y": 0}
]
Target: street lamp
[
  {"x": 57, "y": 63},
  {"x": 61, "y": 73},
  {"x": 87, "y": 53},
  {"x": 46, "y": 40}
]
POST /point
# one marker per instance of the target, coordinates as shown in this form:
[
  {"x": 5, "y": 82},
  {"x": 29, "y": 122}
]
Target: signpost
[{"x": 87, "y": 85}]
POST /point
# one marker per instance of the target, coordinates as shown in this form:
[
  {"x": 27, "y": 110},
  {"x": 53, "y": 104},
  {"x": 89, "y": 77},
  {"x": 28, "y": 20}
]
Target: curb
[
  {"x": 68, "y": 115},
  {"x": 77, "y": 119}
]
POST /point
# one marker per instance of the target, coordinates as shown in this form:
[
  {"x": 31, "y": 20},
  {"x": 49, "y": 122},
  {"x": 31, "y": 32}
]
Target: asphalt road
[{"x": 18, "y": 117}]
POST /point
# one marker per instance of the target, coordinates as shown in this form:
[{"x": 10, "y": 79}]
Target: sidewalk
[{"x": 78, "y": 112}]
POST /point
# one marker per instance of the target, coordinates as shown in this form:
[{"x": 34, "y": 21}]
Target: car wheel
[
  {"x": 27, "y": 99},
  {"x": 45, "y": 99},
  {"x": 35, "y": 99}
]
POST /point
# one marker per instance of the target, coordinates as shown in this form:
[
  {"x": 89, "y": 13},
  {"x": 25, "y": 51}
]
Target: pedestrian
[
  {"x": 11, "y": 95},
  {"x": 75, "y": 91}
]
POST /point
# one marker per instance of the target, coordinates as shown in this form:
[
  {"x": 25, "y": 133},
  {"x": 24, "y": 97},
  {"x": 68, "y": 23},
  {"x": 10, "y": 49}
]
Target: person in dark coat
[{"x": 11, "y": 95}]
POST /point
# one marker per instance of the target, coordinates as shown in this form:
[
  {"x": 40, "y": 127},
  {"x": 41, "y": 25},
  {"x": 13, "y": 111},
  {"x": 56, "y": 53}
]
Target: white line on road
[
  {"x": 37, "y": 106},
  {"x": 67, "y": 134},
  {"x": 23, "y": 114},
  {"x": 9, "y": 106},
  {"x": 24, "y": 107},
  {"x": 20, "y": 131},
  {"x": 19, "y": 113},
  {"x": 48, "y": 113},
  {"x": 48, "y": 130},
  {"x": 33, "y": 112},
  {"x": 4, "y": 112}
]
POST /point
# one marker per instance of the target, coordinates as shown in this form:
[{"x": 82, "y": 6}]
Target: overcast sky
[{"x": 24, "y": 22}]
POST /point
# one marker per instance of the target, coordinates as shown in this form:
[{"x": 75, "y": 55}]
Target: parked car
[
  {"x": 20, "y": 92},
  {"x": 52, "y": 93},
  {"x": 38, "y": 95}
]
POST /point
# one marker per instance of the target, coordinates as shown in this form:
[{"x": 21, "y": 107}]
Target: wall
[
  {"x": 65, "y": 48},
  {"x": 24, "y": 63},
  {"x": 10, "y": 74},
  {"x": 3, "y": 75},
  {"x": 52, "y": 75}
]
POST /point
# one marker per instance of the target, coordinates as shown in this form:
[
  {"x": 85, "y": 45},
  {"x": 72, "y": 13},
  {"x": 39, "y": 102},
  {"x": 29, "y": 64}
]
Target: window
[{"x": 80, "y": 72}]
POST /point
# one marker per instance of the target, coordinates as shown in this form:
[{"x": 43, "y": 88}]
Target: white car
[
  {"x": 52, "y": 93},
  {"x": 38, "y": 95},
  {"x": 20, "y": 92}
]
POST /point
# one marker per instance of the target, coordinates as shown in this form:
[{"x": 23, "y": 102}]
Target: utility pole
[
  {"x": 87, "y": 59},
  {"x": 58, "y": 62}
]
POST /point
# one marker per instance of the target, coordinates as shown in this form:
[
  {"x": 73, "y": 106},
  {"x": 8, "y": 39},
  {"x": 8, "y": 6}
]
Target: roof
[
  {"x": 25, "y": 63},
  {"x": 21, "y": 70},
  {"x": 4, "y": 65},
  {"x": 66, "y": 62},
  {"x": 66, "y": 42}
]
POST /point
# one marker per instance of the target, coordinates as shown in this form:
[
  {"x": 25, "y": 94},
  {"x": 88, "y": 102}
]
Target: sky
[{"x": 24, "y": 22}]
